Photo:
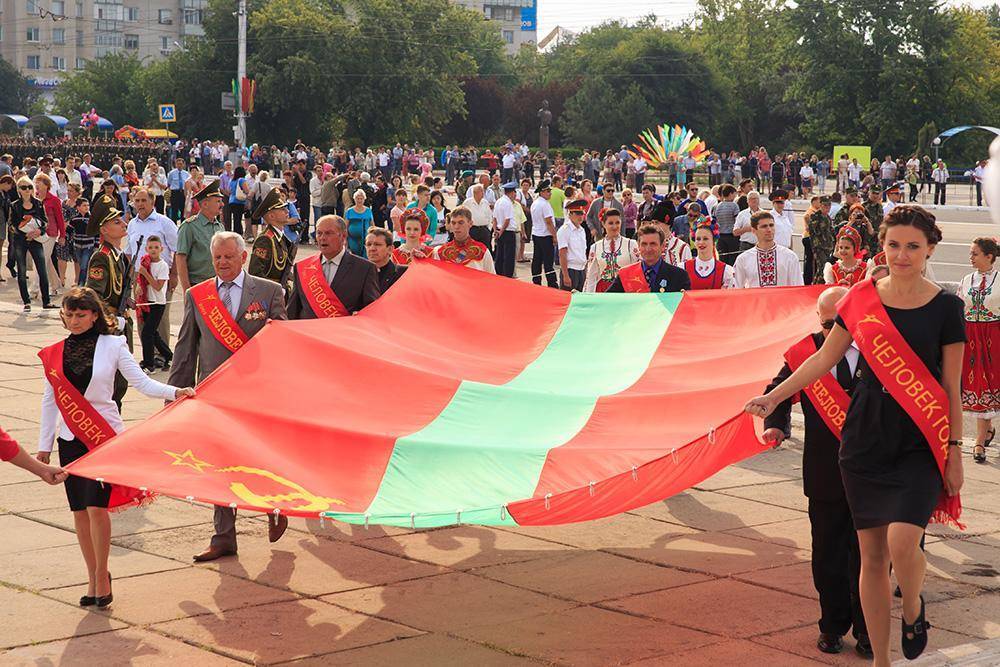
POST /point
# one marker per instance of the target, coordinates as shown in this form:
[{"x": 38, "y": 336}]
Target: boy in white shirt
[{"x": 154, "y": 273}]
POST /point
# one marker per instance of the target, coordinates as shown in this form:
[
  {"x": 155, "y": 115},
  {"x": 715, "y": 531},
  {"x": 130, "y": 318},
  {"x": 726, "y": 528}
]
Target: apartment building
[{"x": 517, "y": 19}]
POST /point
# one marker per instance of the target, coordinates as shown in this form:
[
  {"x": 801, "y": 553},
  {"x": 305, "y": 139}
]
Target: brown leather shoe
[
  {"x": 276, "y": 527},
  {"x": 213, "y": 553}
]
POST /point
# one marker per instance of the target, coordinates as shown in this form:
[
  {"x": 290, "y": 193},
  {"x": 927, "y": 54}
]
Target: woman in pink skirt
[{"x": 980, "y": 291}]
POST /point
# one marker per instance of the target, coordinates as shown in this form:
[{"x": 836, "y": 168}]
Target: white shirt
[
  {"x": 639, "y": 165},
  {"x": 332, "y": 265},
  {"x": 888, "y": 206},
  {"x": 704, "y": 269},
  {"x": 854, "y": 172},
  {"x": 160, "y": 271},
  {"x": 482, "y": 216},
  {"x": 806, "y": 172},
  {"x": 852, "y": 355},
  {"x": 235, "y": 292},
  {"x": 676, "y": 251},
  {"x": 540, "y": 210},
  {"x": 508, "y": 160},
  {"x": 315, "y": 187},
  {"x": 155, "y": 225},
  {"x": 743, "y": 220},
  {"x": 503, "y": 211},
  {"x": 784, "y": 225},
  {"x": 574, "y": 239},
  {"x": 756, "y": 268},
  {"x": 110, "y": 356},
  {"x": 939, "y": 175},
  {"x": 153, "y": 180}
]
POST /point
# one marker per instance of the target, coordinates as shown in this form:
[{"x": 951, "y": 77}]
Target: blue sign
[
  {"x": 167, "y": 113},
  {"x": 529, "y": 18}
]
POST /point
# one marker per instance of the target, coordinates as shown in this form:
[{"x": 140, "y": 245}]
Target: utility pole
[{"x": 241, "y": 72}]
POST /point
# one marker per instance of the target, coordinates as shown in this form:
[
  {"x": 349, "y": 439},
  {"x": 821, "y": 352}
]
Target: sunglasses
[{"x": 25, "y": 187}]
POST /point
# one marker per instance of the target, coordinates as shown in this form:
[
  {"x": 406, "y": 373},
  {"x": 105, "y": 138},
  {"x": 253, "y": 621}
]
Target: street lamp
[{"x": 937, "y": 144}]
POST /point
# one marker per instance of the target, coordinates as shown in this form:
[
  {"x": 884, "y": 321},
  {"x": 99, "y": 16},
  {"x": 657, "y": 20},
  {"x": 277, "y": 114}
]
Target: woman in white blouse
[
  {"x": 610, "y": 254},
  {"x": 90, "y": 356}
]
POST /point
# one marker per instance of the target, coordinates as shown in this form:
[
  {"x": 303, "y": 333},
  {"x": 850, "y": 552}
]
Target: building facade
[
  {"x": 517, "y": 19},
  {"x": 46, "y": 39}
]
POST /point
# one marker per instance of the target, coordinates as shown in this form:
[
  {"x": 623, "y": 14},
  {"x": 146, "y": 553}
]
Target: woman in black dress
[
  {"x": 91, "y": 356},
  {"x": 890, "y": 474}
]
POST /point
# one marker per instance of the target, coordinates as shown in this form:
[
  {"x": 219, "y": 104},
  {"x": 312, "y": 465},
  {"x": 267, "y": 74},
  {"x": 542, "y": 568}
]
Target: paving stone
[
  {"x": 588, "y": 576},
  {"x": 795, "y": 579},
  {"x": 717, "y": 603},
  {"x": 284, "y": 631},
  {"x": 976, "y": 523},
  {"x": 18, "y": 371},
  {"x": 617, "y": 531},
  {"x": 11, "y": 474},
  {"x": 588, "y": 636},
  {"x": 738, "y": 476},
  {"x": 721, "y": 554},
  {"x": 978, "y": 616},
  {"x": 448, "y": 602},
  {"x": 57, "y": 567},
  {"x": 795, "y": 534},
  {"x": 730, "y": 652},
  {"x": 965, "y": 561},
  {"x": 21, "y": 535},
  {"x": 30, "y": 619},
  {"x": 131, "y": 646},
  {"x": 981, "y": 495},
  {"x": 714, "y": 511},
  {"x": 32, "y": 496},
  {"x": 190, "y": 591},
  {"x": 163, "y": 513},
  {"x": 35, "y": 385},
  {"x": 465, "y": 547},
  {"x": 344, "y": 532},
  {"x": 974, "y": 654},
  {"x": 785, "y": 494},
  {"x": 430, "y": 650}
]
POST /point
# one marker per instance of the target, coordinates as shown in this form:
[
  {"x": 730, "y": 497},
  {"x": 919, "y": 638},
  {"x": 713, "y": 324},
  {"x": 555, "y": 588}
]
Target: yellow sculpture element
[
  {"x": 188, "y": 459},
  {"x": 312, "y": 503}
]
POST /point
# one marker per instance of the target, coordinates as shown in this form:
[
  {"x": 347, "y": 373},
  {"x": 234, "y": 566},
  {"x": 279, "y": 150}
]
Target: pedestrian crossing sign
[{"x": 167, "y": 113}]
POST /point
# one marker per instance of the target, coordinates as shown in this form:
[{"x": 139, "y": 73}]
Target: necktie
[
  {"x": 650, "y": 275},
  {"x": 328, "y": 269},
  {"x": 224, "y": 295},
  {"x": 844, "y": 375}
]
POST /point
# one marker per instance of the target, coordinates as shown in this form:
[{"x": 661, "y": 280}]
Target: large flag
[{"x": 462, "y": 397}]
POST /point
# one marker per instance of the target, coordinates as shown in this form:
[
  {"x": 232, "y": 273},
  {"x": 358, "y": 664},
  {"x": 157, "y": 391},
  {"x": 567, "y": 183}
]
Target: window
[
  {"x": 33, "y": 35},
  {"x": 79, "y": 10},
  {"x": 79, "y": 38},
  {"x": 508, "y": 36},
  {"x": 131, "y": 42},
  {"x": 58, "y": 35},
  {"x": 164, "y": 43},
  {"x": 132, "y": 14},
  {"x": 165, "y": 17},
  {"x": 192, "y": 17},
  {"x": 34, "y": 62},
  {"x": 31, "y": 7},
  {"x": 1, "y": 33},
  {"x": 58, "y": 7},
  {"x": 81, "y": 62},
  {"x": 59, "y": 63}
]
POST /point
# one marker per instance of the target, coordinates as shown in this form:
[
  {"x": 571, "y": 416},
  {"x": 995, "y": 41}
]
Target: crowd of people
[{"x": 231, "y": 245}]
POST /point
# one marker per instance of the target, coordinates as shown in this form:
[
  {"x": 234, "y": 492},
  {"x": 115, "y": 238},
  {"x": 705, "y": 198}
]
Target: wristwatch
[{"x": 954, "y": 443}]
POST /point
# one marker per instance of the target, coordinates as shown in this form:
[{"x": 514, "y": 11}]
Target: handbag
[
  {"x": 241, "y": 194},
  {"x": 30, "y": 224}
]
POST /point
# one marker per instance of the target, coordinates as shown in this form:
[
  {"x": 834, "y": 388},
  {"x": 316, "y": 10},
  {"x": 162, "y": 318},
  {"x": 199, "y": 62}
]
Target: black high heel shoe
[
  {"x": 105, "y": 600},
  {"x": 914, "y": 636},
  {"x": 88, "y": 601}
]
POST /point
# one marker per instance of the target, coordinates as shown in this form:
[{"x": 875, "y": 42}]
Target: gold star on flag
[
  {"x": 188, "y": 459},
  {"x": 54, "y": 373}
]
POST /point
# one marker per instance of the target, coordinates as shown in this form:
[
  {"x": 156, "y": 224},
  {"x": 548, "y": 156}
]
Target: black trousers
[
  {"x": 576, "y": 279},
  {"x": 159, "y": 203},
  {"x": 728, "y": 247},
  {"x": 940, "y": 193},
  {"x": 836, "y": 567},
  {"x": 234, "y": 217},
  {"x": 151, "y": 340},
  {"x": 176, "y": 205},
  {"x": 21, "y": 247},
  {"x": 482, "y": 234},
  {"x": 543, "y": 256},
  {"x": 807, "y": 261},
  {"x": 506, "y": 249}
]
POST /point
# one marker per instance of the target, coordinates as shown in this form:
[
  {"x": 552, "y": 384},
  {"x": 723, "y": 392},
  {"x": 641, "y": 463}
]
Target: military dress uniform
[
  {"x": 107, "y": 274},
  {"x": 272, "y": 255},
  {"x": 822, "y": 237}
]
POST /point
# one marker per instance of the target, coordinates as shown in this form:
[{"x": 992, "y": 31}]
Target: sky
[{"x": 579, "y": 15}]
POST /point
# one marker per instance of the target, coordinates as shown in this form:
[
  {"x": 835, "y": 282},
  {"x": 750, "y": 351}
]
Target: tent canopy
[
  {"x": 159, "y": 133},
  {"x": 948, "y": 134},
  {"x": 15, "y": 118},
  {"x": 104, "y": 125},
  {"x": 60, "y": 121}
]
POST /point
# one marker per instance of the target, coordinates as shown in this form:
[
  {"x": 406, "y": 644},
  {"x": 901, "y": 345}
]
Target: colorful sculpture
[{"x": 663, "y": 143}]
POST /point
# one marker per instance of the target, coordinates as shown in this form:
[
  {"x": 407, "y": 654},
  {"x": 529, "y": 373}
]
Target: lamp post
[{"x": 937, "y": 145}]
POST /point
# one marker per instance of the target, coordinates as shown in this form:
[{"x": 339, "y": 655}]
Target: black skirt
[{"x": 81, "y": 492}]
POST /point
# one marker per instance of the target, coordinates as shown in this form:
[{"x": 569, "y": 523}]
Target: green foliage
[
  {"x": 112, "y": 86},
  {"x": 16, "y": 94}
]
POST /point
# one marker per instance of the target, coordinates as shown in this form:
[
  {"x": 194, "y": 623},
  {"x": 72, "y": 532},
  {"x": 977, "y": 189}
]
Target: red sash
[
  {"x": 321, "y": 297},
  {"x": 86, "y": 423},
  {"x": 825, "y": 394},
  {"x": 905, "y": 377},
  {"x": 711, "y": 281},
  {"x": 216, "y": 317},
  {"x": 633, "y": 279}
]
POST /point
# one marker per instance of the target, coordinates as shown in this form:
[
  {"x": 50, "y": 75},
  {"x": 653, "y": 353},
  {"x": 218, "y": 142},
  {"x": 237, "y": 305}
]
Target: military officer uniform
[
  {"x": 821, "y": 237},
  {"x": 272, "y": 253},
  {"x": 873, "y": 209}
]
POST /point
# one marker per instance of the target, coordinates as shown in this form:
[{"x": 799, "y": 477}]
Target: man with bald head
[
  {"x": 836, "y": 561},
  {"x": 333, "y": 283}
]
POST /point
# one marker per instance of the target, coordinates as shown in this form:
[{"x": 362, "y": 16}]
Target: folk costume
[
  {"x": 775, "y": 267},
  {"x": 711, "y": 274},
  {"x": 471, "y": 253},
  {"x": 605, "y": 260},
  {"x": 980, "y": 293},
  {"x": 836, "y": 273},
  {"x": 676, "y": 251},
  {"x": 404, "y": 254}
]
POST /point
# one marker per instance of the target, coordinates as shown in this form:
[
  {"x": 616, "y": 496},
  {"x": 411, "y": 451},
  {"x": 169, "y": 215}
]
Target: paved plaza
[{"x": 718, "y": 575}]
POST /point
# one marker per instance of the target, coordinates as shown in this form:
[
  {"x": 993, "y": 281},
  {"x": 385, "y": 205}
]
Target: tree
[
  {"x": 599, "y": 115},
  {"x": 111, "y": 86},
  {"x": 16, "y": 94}
]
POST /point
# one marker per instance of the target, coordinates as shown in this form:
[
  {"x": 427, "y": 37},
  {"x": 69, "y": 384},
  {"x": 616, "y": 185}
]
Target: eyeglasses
[{"x": 25, "y": 187}]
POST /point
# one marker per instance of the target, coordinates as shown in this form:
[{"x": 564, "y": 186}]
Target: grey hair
[
  {"x": 753, "y": 193},
  {"x": 359, "y": 191},
  {"x": 337, "y": 220},
  {"x": 222, "y": 237}
]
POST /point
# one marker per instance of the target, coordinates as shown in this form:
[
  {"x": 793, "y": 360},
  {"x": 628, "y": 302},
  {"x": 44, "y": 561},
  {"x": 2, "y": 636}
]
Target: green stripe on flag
[{"x": 489, "y": 444}]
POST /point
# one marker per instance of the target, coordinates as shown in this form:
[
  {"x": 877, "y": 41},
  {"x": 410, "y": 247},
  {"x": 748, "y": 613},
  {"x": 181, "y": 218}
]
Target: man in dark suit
[
  {"x": 378, "y": 245},
  {"x": 354, "y": 280},
  {"x": 251, "y": 302},
  {"x": 836, "y": 561},
  {"x": 659, "y": 276}
]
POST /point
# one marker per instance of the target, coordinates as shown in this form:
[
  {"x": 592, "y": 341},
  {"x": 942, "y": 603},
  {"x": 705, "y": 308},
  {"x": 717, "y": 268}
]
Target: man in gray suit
[
  {"x": 251, "y": 302},
  {"x": 353, "y": 279}
]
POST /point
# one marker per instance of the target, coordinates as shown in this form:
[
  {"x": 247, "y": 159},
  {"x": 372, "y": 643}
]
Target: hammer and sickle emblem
[
  {"x": 310, "y": 502},
  {"x": 870, "y": 319}
]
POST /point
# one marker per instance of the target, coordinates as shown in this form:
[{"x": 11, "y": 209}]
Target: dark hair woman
[
  {"x": 900, "y": 456},
  {"x": 28, "y": 224}
]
